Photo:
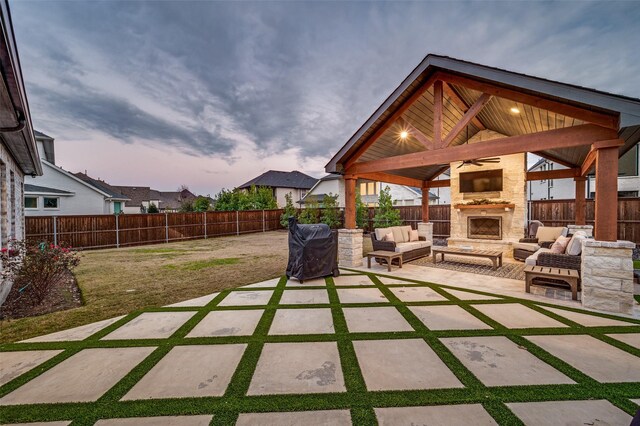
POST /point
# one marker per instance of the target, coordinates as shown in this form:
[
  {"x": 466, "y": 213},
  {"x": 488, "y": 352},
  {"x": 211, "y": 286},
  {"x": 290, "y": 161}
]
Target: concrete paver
[
  {"x": 447, "y": 317},
  {"x": 382, "y": 319},
  {"x": 83, "y": 377},
  {"x": 316, "y": 282},
  {"x": 190, "y": 371},
  {"x": 306, "y": 418},
  {"x": 497, "y": 361},
  {"x": 593, "y": 357},
  {"x": 569, "y": 413},
  {"x": 437, "y": 415},
  {"x": 151, "y": 325},
  {"x": 515, "y": 315},
  {"x": 77, "y": 333},
  {"x": 586, "y": 319},
  {"x": 273, "y": 283},
  {"x": 304, "y": 297},
  {"x": 247, "y": 298},
  {"x": 203, "y": 420},
  {"x": 345, "y": 280},
  {"x": 227, "y": 323},
  {"x": 631, "y": 339},
  {"x": 361, "y": 295},
  {"x": 298, "y": 368},
  {"x": 467, "y": 295},
  {"x": 417, "y": 294},
  {"x": 197, "y": 302},
  {"x": 302, "y": 321},
  {"x": 402, "y": 364},
  {"x": 15, "y": 364}
]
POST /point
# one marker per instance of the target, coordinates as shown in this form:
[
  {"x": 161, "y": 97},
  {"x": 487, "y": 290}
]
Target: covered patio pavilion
[{"x": 438, "y": 118}]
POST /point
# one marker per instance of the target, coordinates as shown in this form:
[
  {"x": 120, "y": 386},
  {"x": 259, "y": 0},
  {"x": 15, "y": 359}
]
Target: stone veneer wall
[
  {"x": 607, "y": 276},
  {"x": 350, "y": 247},
  {"x": 513, "y": 190}
]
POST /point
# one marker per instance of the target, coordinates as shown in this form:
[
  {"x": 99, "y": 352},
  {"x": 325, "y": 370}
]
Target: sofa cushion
[
  {"x": 532, "y": 247},
  {"x": 550, "y": 233},
  {"x": 398, "y": 235},
  {"x": 389, "y": 237},
  {"x": 560, "y": 245},
  {"x": 381, "y": 232},
  {"x": 405, "y": 247},
  {"x": 406, "y": 233},
  {"x": 533, "y": 259},
  {"x": 414, "y": 236},
  {"x": 575, "y": 245}
]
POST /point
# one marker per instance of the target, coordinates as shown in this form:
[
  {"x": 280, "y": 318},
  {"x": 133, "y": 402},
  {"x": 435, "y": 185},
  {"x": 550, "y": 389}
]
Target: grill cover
[{"x": 313, "y": 251}]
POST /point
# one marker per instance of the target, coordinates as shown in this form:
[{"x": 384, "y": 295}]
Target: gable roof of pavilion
[{"x": 623, "y": 113}]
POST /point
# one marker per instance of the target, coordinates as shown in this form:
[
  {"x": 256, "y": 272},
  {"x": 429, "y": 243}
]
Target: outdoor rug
[{"x": 475, "y": 266}]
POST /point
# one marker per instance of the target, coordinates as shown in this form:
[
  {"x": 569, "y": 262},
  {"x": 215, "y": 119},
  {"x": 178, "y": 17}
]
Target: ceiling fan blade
[
  {"x": 461, "y": 164},
  {"x": 489, "y": 161}
]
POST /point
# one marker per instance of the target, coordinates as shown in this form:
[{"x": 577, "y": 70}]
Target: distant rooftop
[
  {"x": 103, "y": 186},
  {"x": 36, "y": 189},
  {"x": 279, "y": 179}
]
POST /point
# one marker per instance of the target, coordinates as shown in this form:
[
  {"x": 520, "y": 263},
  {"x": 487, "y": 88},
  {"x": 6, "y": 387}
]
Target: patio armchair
[
  {"x": 544, "y": 238},
  {"x": 410, "y": 250}
]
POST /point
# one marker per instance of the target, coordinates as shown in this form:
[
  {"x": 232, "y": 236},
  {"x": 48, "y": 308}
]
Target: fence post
[
  {"x": 166, "y": 227},
  {"x": 55, "y": 230},
  {"x": 117, "y": 231},
  {"x": 237, "y": 224},
  {"x": 263, "y": 229},
  {"x": 205, "y": 224}
]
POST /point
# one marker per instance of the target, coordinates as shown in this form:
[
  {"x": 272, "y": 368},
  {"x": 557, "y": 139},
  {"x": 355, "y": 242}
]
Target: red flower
[{"x": 4, "y": 250}]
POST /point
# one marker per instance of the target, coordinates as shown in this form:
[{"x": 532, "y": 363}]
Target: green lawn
[{"x": 357, "y": 398}]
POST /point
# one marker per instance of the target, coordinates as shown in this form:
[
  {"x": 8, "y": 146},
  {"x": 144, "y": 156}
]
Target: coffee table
[
  {"x": 494, "y": 255},
  {"x": 387, "y": 256}
]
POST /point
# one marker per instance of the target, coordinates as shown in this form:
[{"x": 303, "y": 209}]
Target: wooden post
[
  {"x": 117, "y": 231},
  {"x": 606, "y": 226},
  {"x": 204, "y": 214},
  {"x": 425, "y": 203},
  {"x": 581, "y": 203},
  {"x": 350, "y": 203},
  {"x": 166, "y": 227}
]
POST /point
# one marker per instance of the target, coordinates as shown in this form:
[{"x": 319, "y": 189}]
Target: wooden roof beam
[
  {"x": 462, "y": 104},
  {"x": 601, "y": 119},
  {"x": 554, "y": 174},
  {"x": 438, "y": 183},
  {"x": 387, "y": 178},
  {"x": 390, "y": 120},
  {"x": 560, "y": 138},
  {"x": 468, "y": 116},
  {"x": 417, "y": 134},
  {"x": 589, "y": 161},
  {"x": 437, "y": 113}
]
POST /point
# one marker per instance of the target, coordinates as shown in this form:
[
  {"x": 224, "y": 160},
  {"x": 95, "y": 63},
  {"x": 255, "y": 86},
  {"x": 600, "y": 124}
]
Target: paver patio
[{"x": 429, "y": 355}]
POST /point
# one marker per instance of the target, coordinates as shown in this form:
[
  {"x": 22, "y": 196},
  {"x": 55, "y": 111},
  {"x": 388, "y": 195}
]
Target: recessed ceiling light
[
  {"x": 515, "y": 110},
  {"x": 404, "y": 134}
]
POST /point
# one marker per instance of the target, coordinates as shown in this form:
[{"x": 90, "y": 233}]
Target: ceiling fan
[{"x": 479, "y": 161}]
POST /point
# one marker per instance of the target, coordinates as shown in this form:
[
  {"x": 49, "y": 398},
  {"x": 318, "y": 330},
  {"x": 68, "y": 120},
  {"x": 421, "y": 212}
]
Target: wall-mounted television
[{"x": 482, "y": 181}]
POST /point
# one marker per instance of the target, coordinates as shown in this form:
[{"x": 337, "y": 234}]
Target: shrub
[
  {"x": 289, "y": 211},
  {"x": 309, "y": 214},
  {"x": 362, "y": 212},
  {"x": 330, "y": 212},
  {"x": 37, "y": 268},
  {"x": 255, "y": 198},
  {"x": 386, "y": 215},
  {"x": 201, "y": 204},
  {"x": 153, "y": 208}
]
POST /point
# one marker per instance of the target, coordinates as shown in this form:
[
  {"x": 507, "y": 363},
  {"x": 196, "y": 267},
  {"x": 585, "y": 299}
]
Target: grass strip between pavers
[{"x": 357, "y": 399}]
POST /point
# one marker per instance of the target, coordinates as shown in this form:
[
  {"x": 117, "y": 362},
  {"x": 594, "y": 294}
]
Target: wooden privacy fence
[{"x": 105, "y": 231}]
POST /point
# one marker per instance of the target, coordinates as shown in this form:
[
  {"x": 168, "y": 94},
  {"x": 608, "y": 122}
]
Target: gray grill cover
[{"x": 313, "y": 251}]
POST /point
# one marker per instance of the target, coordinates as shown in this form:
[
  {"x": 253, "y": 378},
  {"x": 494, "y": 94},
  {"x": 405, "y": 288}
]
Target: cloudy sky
[{"x": 210, "y": 94}]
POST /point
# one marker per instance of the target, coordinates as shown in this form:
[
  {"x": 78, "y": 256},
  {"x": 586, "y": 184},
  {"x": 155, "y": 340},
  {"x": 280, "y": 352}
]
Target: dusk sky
[{"x": 211, "y": 94}]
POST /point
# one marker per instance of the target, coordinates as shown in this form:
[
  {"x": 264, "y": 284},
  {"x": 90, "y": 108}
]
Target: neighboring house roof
[
  {"x": 111, "y": 191},
  {"x": 36, "y": 189},
  {"x": 537, "y": 164},
  {"x": 173, "y": 200},
  {"x": 135, "y": 194},
  {"x": 40, "y": 135},
  {"x": 77, "y": 179},
  {"x": 418, "y": 192},
  {"x": 15, "y": 116},
  {"x": 628, "y": 108},
  {"x": 279, "y": 179}
]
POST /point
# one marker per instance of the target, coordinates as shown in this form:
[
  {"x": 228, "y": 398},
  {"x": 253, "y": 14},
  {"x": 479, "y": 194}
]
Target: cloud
[{"x": 237, "y": 81}]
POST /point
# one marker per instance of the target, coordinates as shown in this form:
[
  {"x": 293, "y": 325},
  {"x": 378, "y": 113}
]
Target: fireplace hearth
[{"x": 484, "y": 227}]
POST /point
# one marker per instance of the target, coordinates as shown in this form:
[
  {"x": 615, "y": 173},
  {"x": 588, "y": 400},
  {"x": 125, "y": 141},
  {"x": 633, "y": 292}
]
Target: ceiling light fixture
[
  {"x": 515, "y": 110},
  {"x": 404, "y": 134}
]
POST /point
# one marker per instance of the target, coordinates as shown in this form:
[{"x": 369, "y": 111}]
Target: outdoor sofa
[
  {"x": 545, "y": 237},
  {"x": 401, "y": 243}
]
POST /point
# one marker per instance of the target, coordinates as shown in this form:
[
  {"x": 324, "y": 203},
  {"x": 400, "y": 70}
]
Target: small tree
[
  {"x": 289, "y": 211},
  {"x": 186, "y": 206},
  {"x": 362, "y": 212},
  {"x": 386, "y": 215},
  {"x": 201, "y": 204},
  {"x": 309, "y": 214},
  {"x": 153, "y": 208},
  {"x": 330, "y": 212}
]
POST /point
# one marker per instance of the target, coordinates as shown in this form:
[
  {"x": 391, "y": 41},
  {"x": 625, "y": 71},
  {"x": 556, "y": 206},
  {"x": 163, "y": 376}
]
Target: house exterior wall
[
  {"x": 84, "y": 201},
  {"x": 296, "y": 194},
  {"x": 11, "y": 207}
]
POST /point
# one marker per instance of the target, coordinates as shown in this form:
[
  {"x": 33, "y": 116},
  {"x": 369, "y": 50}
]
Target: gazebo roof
[{"x": 543, "y": 106}]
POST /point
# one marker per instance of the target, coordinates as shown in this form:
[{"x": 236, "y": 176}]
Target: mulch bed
[{"x": 64, "y": 295}]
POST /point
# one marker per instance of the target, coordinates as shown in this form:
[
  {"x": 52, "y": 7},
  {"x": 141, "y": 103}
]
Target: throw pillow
[
  {"x": 560, "y": 245},
  {"x": 413, "y": 235},
  {"x": 389, "y": 237},
  {"x": 574, "y": 248}
]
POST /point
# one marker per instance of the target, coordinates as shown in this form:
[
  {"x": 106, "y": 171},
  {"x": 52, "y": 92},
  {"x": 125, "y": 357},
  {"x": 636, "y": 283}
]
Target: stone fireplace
[
  {"x": 484, "y": 228},
  {"x": 489, "y": 226}
]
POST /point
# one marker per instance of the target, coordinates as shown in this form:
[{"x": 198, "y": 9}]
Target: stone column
[
  {"x": 350, "y": 247},
  {"x": 426, "y": 230},
  {"x": 607, "y": 275},
  {"x": 588, "y": 229}
]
